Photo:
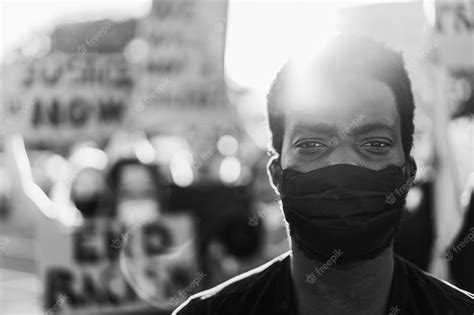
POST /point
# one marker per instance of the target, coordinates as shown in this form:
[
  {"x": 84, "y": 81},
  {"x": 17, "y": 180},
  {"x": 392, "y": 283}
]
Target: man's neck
[{"x": 352, "y": 288}]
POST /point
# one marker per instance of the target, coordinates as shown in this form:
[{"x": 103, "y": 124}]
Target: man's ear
[
  {"x": 274, "y": 173},
  {"x": 410, "y": 167}
]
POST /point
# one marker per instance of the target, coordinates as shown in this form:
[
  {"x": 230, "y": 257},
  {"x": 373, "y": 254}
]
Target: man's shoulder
[
  {"x": 235, "y": 291},
  {"x": 426, "y": 288}
]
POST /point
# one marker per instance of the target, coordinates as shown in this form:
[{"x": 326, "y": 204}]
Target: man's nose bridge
[{"x": 343, "y": 154}]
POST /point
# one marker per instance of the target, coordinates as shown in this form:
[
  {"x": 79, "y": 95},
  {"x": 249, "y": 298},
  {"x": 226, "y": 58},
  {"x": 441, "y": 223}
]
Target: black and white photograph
[{"x": 236, "y": 157}]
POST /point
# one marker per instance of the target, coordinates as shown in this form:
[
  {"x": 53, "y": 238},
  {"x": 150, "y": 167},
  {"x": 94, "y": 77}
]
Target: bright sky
[
  {"x": 261, "y": 34},
  {"x": 20, "y": 19}
]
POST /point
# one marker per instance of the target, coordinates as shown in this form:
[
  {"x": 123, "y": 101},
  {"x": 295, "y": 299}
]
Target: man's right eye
[{"x": 309, "y": 144}]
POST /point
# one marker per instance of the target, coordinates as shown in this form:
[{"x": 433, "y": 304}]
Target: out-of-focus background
[{"x": 133, "y": 143}]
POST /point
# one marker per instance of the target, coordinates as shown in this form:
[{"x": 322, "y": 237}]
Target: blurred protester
[
  {"x": 442, "y": 216},
  {"x": 39, "y": 202},
  {"x": 5, "y": 192},
  {"x": 460, "y": 253},
  {"x": 409, "y": 243},
  {"x": 138, "y": 192},
  {"x": 89, "y": 193}
]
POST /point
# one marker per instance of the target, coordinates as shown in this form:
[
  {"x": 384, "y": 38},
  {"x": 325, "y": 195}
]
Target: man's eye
[
  {"x": 309, "y": 144},
  {"x": 377, "y": 146}
]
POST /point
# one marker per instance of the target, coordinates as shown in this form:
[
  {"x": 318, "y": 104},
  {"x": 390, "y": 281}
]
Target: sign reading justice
[{"x": 65, "y": 96}]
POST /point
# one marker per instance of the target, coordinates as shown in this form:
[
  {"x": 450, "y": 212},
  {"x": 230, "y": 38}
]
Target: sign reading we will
[{"x": 183, "y": 77}]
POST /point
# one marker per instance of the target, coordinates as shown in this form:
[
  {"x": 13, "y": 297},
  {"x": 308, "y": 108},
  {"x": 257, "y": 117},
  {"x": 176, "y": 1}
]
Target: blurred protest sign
[
  {"x": 179, "y": 53},
  {"x": 63, "y": 97},
  {"x": 454, "y": 22}
]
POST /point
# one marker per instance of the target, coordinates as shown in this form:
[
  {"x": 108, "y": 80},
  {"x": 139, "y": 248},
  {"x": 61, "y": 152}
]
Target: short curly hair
[{"x": 351, "y": 54}]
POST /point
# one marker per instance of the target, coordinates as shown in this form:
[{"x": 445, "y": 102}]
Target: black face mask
[{"x": 353, "y": 210}]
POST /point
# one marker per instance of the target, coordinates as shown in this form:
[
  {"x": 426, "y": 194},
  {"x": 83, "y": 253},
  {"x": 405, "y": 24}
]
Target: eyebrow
[
  {"x": 331, "y": 129},
  {"x": 320, "y": 128},
  {"x": 373, "y": 126}
]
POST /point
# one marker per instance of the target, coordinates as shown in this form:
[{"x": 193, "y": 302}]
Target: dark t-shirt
[{"x": 268, "y": 290}]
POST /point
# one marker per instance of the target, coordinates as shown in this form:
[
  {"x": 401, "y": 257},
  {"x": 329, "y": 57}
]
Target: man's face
[
  {"x": 136, "y": 180},
  {"x": 88, "y": 183},
  {"x": 341, "y": 119}
]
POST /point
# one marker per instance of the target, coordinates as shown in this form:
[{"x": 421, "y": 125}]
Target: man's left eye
[{"x": 376, "y": 144}]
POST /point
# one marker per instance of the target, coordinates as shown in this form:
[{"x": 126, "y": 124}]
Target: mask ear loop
[
  {"x": 409, "y": 167},
  {"x": 274, "y": 173}
]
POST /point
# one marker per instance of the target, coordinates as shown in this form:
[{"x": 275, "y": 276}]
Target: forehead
[
  {"x": 134, "y": 173},
  {"x": 338, "y": 100},
  {"x": 89, "y": 175}
]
